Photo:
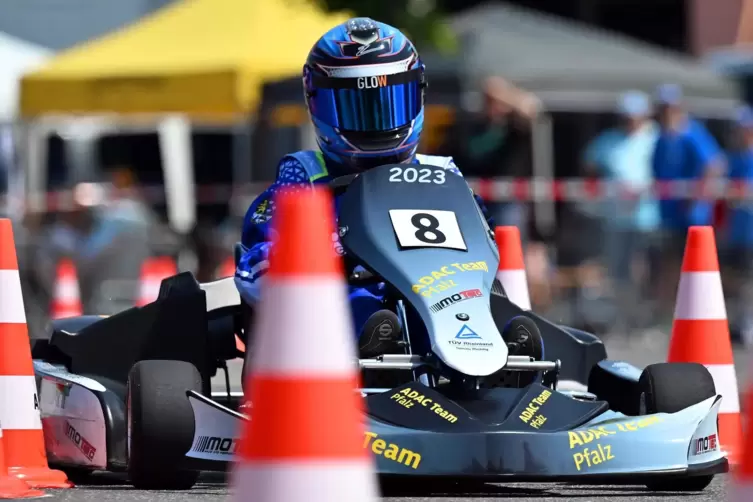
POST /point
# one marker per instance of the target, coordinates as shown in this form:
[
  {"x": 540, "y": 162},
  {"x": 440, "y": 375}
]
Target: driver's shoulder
[
  {"x": 294, "y": 168},
  {"x": 292, "y": 173},
  {"x": 438, "y": 161}
]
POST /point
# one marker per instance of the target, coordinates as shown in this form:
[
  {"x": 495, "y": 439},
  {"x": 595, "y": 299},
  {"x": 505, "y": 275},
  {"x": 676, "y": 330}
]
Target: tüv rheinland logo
[{"x": 466, "y": 333}]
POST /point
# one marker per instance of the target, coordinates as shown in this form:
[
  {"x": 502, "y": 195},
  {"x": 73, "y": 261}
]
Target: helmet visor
[{"x": 368, "y": 104}]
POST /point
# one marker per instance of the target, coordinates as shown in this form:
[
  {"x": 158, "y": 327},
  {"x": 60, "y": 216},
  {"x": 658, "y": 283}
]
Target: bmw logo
[{"x": 462, "y": 317}]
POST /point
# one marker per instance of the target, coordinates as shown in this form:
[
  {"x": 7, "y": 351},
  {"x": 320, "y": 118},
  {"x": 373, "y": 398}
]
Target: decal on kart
[
  {"x": 217, "y": 429},
  {"x": 704, "y": 445},
  {"x": 73, "y": 422}
]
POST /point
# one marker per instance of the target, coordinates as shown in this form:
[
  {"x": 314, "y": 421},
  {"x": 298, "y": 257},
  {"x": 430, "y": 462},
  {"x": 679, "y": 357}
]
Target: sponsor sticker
[
  {"x": 456, "y": 298},
  {"x": 600, "y": 452},
  {"x": 81, "y": 443},
  {"x": 531, "y": 415},
  {"x": 441, "y": 279},
  {"x": 705, "y": 445},
  {"x": 391, "y": 451},
  {"x": 467, "y": 339},
  {"x": 407, "y": 398},
  {"x": 215, "y": 445}
]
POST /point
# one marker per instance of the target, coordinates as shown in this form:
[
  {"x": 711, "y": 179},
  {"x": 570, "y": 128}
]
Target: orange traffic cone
[
  {"x": 66, "y": 300},
  {"x": 19, "y": 405},
  {"x": 12, "y": 487},
  {"x": 511, "y": 271},
  {"x": 153, "y": 271},
  {"x": 226, "y": 269},
  {"x": 700, "y": 333},
  {"x": 742, "y": 489},
  {"x": 305, "y": 439}
]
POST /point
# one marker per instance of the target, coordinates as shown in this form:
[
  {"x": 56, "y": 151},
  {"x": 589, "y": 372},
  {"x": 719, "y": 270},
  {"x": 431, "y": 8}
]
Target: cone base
[
  {"x": 41, "y": 477},
  {"x": 14, "y": 488},
  {"x": 731, "y": 436}
]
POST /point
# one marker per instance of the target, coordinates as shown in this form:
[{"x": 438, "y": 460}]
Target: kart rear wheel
[
  {"x": 669, "y": 388},
  {"x": 160, "y": 423}
]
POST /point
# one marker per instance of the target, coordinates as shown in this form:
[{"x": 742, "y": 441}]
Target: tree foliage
[{"x": 421, "y": 20}]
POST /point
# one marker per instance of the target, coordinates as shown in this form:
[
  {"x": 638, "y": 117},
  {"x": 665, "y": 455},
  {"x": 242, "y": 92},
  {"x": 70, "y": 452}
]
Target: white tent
[{"x": 16, "y": 58}]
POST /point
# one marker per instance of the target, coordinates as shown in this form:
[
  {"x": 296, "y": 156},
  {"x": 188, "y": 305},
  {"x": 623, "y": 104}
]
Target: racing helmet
[{"x": 364, "y": 88}]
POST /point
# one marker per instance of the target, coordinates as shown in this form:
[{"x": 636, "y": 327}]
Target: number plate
[{"x": 420, "y": 228}]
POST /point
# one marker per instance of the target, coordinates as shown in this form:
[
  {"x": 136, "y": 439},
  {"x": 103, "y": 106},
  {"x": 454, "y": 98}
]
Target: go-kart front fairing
[
  {"x": 425, "y": 237},
  {"x": 535, "y": 433},
  {"x": 420, "y": 231}
]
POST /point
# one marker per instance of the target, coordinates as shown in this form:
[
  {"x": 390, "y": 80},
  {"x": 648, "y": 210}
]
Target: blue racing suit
[{"x": 304, "y": 169}]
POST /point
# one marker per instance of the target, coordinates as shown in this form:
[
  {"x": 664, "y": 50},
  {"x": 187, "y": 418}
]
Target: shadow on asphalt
[
  {"x": 478, "y": 489},
  {"x": 116, "y": 481}
]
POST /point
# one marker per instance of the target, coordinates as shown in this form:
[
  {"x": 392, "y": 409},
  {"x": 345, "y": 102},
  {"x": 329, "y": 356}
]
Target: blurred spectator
[
  {"x": 107, "y": 236},
  {"x": 685, "y": 152},
  {"x": 497, "y": 143},
  {"x": 737, "y": 256},
  {"x": 622, "y": 155}
]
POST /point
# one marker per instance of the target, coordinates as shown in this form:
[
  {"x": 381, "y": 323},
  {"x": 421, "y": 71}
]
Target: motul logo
[
  {"x": 705, "y": 445},
  {"x": 458, "y": 297},
  {"x": 82, "y": 444},
  {"x": 212, "y": 444}
]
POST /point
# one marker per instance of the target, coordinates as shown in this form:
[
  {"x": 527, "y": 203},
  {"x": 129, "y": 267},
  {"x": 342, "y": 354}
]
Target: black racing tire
[
  {"x": 622, "y": 395},
  {"x": 160, "y": 423},
  {"x": 669, "y": 388}
]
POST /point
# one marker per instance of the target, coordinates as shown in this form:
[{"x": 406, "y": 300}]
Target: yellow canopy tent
[{"x": 197, "y": 57}]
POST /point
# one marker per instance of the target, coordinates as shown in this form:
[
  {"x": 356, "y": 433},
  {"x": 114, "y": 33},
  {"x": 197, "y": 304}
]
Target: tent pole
[
  {"x": 177, "y": 164},
  {"x": 544, "y": 214},
  {"x": 34, "y": 159}
]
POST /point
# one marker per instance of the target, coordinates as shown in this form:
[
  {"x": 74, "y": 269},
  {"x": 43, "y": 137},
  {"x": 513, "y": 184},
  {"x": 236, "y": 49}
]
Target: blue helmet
[{"x": 364, "y": 87}]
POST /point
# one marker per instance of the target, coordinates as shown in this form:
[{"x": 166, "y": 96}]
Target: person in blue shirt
[
  {"x": 737, "y": 257},
  {"x": 685, "y": 152},
  {"x": 622, "y": 155},
  {"x": 364, "y": 87}
]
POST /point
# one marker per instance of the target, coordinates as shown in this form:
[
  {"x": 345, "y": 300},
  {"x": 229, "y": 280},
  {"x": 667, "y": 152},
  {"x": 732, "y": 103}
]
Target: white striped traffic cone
[
  {"x": 742, "y": 487},
  {"x": 12, "y": 487},
  {"x": 66, "y": 300},
  {"x": 19, "y": 404},
  {"x": 511, "y": 271},
  {"x": 700, "y": 333},
  {"x": 305, "y": 437}
]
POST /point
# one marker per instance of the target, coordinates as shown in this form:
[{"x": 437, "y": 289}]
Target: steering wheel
[{"x": 340, "y": 184}]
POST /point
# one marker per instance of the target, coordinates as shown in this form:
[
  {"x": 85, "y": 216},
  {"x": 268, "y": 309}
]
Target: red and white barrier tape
[{"x": 491, "y": 190}]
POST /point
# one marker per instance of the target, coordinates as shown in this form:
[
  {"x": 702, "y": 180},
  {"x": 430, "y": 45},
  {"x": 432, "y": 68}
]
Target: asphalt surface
[{"x": 639, "y": 350}]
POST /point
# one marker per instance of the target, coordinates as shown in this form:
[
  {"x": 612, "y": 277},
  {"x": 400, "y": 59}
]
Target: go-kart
[{"x": 476, "y": 389}]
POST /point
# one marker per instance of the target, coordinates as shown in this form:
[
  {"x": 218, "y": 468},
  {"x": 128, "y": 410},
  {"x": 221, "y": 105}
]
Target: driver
[{"x": 364, "y": 87}]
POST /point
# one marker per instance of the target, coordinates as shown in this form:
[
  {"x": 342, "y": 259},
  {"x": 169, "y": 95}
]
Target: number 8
[{"x": 424, "y": 231}]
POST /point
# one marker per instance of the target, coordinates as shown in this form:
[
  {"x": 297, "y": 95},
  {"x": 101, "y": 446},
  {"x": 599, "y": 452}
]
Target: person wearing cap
[
  {"x": 685, "y": 152},
  {"x": 622, "y": 155},
  {"x": 737, "y": 255}
]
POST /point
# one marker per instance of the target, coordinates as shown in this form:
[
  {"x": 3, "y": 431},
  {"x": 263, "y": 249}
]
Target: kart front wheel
[
  {"x": 160, "y": 423},
  {"x": 669, "y": 388}
]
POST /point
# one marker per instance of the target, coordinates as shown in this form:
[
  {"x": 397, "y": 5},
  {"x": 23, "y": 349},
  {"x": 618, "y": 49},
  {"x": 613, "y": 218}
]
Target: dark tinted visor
[{"x": 368, "y": 104}]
